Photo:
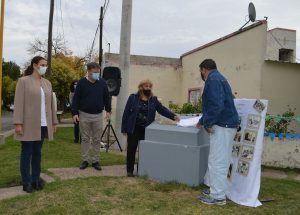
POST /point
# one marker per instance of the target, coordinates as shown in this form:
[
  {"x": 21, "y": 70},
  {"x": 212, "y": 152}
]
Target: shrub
[
  {"x": 280, "y": 123},
  {"x": 187, "y": 108}
]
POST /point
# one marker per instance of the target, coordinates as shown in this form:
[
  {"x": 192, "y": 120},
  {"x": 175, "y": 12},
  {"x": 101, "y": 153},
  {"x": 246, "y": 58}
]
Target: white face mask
[{"x": 43, "y": 70}]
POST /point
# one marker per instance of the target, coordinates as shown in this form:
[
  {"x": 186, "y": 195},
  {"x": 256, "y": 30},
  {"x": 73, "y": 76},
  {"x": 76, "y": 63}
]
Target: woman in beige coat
[{"x": 34, "y": 119}]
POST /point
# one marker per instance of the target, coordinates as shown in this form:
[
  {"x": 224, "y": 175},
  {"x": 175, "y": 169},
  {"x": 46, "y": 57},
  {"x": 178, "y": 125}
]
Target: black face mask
[
  {"x": 202, "y": 76},
  {"x": 147, "y": 92}
]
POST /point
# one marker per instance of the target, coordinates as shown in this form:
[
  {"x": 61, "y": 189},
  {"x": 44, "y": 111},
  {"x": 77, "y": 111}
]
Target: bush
[
  {"x": 187, "y": 108},
  {"x": 280, "y": 123}
]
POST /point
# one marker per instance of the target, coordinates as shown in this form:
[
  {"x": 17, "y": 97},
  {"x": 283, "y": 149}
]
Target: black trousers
[{"x": 132, "y": 143}]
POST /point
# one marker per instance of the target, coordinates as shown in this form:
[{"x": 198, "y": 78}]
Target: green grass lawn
[
  {"x": 121, "y": 195},
  {"x": 61, "y": 152},
  {"x": 112, "y": 195}
]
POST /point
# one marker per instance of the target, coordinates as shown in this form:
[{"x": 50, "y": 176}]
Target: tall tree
[
  {"x": 11, "y": 69},
  {"x": 62, "y": 76},
  {"x": 39, "y": 46},
  {"x": 8, "y": 90}
]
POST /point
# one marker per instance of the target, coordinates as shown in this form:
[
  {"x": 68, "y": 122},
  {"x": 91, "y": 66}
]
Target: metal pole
[
  {"x": 1, "y": 55},
  {"x": 50, "y": 37}
]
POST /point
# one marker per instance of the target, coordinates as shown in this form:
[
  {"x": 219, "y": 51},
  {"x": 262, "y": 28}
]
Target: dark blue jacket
[
  {"x": 131, "y": 111},
  {"x": 217, "y": 103},
  {"x": 90, "y": 97}
]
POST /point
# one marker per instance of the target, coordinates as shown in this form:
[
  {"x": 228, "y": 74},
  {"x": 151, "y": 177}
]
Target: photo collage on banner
[{"x": 247, "y": 148}]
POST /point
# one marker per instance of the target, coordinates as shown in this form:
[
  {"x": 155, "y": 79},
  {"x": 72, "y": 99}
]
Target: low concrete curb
[
  {"x": 72, "y": 173},
  {"x": 7, "y": 193},
  {"x": 10, "y": 192}
]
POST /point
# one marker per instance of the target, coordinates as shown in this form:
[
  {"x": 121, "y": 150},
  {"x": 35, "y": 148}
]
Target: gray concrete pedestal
[{"x": 172, "y": 153}]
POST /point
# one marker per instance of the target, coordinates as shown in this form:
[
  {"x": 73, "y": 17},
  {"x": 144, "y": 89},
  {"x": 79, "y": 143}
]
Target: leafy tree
[
  {"x": 62, "y": 75},
  {"x": 75, "y": 62},
  {"x": 11, "y": 69},
  {"x": 8, "y": 90}
]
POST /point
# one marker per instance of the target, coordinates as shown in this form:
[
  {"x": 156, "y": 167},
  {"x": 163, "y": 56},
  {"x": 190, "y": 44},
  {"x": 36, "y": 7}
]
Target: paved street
[{"x": 7, "y": 121}]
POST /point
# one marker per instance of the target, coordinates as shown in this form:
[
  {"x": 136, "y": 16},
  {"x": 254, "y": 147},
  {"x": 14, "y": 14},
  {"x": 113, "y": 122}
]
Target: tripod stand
[{"x": 110, "y": 128}]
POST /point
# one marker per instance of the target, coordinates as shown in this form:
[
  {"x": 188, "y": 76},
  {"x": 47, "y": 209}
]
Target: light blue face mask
[
  {"x": 95, "y": 76},
  {"x": 43, "y": 70}
]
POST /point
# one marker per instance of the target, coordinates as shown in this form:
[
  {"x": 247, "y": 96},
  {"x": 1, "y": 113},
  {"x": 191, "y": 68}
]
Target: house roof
[
  {"x": 260, "y": 22},
  {"x": 283, "y": 62},
  {"x": 283, "y": 29}
]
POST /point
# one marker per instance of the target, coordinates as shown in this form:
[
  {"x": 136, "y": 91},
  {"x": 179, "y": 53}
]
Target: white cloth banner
[{"x": 245, "y": 168}]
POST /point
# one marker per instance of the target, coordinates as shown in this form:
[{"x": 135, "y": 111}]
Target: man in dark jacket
[
  {"x": 90, "y": 99},
  {"x": 220, "y": 120}
]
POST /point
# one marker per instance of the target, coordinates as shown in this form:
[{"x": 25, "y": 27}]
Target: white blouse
[{"x": 43, "y": 109}]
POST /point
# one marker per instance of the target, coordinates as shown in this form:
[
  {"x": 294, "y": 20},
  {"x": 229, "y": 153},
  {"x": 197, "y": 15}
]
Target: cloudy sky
[{"x": 159, "y": 27}]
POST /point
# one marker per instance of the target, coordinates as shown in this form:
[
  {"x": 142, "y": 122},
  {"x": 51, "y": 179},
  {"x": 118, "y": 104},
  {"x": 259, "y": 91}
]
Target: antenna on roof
[{"x": 251, "y": 14}]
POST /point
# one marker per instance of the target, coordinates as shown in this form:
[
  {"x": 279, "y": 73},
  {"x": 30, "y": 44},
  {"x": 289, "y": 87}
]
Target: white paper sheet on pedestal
[{"x": 189, "y": 122}]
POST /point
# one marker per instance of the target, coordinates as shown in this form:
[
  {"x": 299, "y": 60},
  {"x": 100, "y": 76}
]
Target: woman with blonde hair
[
  {"x": 138, "y": 114},
  {"x": 34, "y": 119}
]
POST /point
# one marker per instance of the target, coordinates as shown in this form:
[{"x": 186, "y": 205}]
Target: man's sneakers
[
  {"x": 210, "y": 201},
  {"x": 84, "y": 165},
  {"x": 206, "y": 192},
  {"x": 97, "y": 166}
]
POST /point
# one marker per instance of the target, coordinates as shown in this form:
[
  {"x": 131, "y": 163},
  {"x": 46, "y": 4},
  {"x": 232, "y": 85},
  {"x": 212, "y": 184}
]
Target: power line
[
  {"x": 62, "y": 23},
  {"x": 72, "y": 28},
  {"x": 106, "y": 7},
  {"x": 56, "y": 18},
  {"x": 93, "y": 43}
]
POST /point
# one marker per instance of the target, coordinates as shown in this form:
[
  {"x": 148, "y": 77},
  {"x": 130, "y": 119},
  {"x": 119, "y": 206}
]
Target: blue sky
[{"x": 159, "y": 27}]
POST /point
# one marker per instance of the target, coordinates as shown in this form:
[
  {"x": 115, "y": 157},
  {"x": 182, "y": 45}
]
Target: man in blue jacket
[{"x": 220, "y": 119}]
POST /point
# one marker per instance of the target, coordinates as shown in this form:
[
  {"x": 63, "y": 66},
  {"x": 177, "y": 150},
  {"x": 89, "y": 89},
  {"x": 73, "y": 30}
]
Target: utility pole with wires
[
  {"x": 100, "y": 37},
  {"x": 50, "y": 37}
]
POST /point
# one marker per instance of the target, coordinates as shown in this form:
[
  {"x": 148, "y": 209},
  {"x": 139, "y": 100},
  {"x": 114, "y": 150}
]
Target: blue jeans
[
  {"x": 220, "y": 151},
  {"x": 32, "y": 151}
]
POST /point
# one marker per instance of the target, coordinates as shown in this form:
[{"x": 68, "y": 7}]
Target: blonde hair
[{"x": 142, "y": 83}]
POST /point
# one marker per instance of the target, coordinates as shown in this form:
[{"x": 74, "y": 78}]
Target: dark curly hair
[{"x": 34, "y": 60}]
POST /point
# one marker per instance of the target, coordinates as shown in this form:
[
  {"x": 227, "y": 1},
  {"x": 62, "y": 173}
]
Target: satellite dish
[{"x": 251, "y": 12}]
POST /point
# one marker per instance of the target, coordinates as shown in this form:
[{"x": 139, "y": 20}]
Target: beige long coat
[{"x": 27, "y": 108}]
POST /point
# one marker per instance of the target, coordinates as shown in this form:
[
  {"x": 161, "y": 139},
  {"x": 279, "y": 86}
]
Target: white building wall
[{"x": 279, "y": 38}]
